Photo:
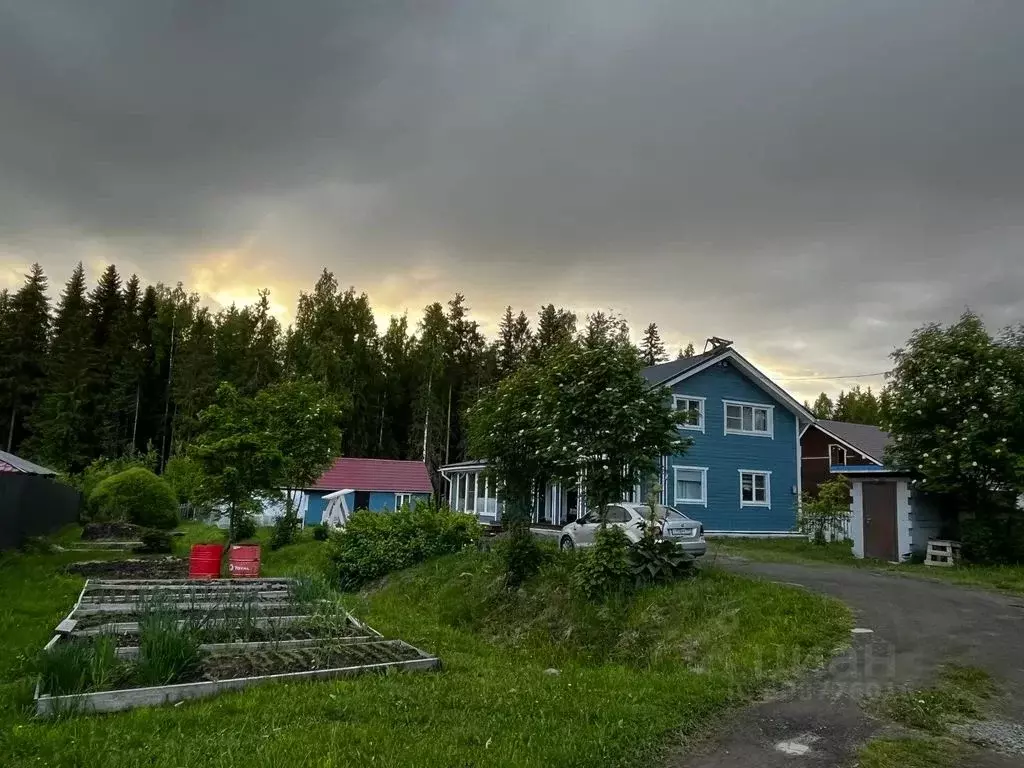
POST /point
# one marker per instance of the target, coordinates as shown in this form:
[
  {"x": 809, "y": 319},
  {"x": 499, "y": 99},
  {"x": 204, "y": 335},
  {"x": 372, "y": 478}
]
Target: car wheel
[{"x": 566, "y": 544}]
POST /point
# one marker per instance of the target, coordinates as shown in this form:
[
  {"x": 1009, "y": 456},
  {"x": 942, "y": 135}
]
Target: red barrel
[
  {"x": 204, "y": 561},
  {"x": 244, "y": 561}
]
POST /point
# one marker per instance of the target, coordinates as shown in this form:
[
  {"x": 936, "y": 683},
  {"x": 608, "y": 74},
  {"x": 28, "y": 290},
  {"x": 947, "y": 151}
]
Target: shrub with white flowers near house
[{"x": 955, "y": 408}]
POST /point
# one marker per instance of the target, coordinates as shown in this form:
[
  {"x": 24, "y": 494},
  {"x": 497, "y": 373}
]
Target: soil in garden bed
[
  {"x": 225, "y": 666},
  {"x": 201, "y": 616},
  {"x": 304, "y": 630},
  {"x": 135, "y": 568}
]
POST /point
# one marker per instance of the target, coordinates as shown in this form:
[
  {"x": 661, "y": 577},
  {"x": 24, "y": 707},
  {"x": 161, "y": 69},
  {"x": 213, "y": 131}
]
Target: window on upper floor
[
  {"x": 693, "y": 411},
  {"x": 691, "y": 485},
  {"x": 836, "y": 455},
  {"x": 748, "y": 419},
  {"x": 755, "y": 488}
]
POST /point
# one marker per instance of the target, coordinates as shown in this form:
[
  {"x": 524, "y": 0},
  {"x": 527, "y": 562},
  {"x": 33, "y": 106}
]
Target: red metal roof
[{"x": 376, "y": 475}]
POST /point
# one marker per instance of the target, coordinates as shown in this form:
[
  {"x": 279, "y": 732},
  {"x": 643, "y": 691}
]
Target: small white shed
[{"x": 889, "y": 518}]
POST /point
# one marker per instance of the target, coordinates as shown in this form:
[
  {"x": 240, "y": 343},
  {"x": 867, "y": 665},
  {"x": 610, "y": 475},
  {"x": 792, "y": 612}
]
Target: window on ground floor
[
  {"x": 755, "y": 488},
  {"x": 691, "y": 485}
]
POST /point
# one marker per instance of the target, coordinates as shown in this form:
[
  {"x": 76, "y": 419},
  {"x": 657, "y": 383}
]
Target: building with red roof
[{"x": 378, "y": 485}]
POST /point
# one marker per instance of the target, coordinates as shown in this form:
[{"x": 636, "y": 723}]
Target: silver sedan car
[{"x": 631, "y": 517}]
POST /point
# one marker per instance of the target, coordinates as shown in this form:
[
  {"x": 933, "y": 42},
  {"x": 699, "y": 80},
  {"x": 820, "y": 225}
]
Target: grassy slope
[
  {"x": 491, "y": 705},
  {"x": 1009, "y": 578}
]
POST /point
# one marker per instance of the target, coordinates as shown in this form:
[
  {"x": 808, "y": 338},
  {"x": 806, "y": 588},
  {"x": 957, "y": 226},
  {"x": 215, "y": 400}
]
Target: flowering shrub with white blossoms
[{"x": 955, "y": 408}]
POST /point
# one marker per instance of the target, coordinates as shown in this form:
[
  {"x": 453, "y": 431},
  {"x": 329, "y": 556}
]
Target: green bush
[
  {"x": 243, "y": 526},
  {"x": 997, "y": 539},
  {"x": 185, "y": 477},
  {"x": 155, "y": 542},
  {"x": 321, "y": 532},
  {"x": 286, "y": 528},
  {"x": 373, "y": 544},
  {"x": 102, "y": 468},
  {"x": 522, "y": 554},
  {"x": 605, "y": 568},
  {"x": 659, "y": 562},
  {"x": 137, "y": 496}
]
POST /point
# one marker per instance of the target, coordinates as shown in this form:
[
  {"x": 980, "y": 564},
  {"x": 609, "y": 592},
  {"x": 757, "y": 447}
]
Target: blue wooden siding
[
  {"x": 724, "y": 455},
  {"x": 315, "y": 507},
  {"x": 380, "y": 501}
]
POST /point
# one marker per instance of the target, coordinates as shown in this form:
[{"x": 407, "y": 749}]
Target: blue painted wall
[
  {"x": 724, "y": 455},
  {"x": 315, "y": 507},
  {"x": 380, "y": 501}
]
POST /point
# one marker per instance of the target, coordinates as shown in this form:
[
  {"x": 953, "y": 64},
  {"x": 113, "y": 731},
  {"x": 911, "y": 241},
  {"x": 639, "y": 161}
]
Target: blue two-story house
[{"x": 741, "y": 474}]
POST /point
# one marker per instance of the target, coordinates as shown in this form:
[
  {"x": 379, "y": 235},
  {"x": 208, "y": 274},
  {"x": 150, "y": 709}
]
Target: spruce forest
[{"x": 118, "y": 368}]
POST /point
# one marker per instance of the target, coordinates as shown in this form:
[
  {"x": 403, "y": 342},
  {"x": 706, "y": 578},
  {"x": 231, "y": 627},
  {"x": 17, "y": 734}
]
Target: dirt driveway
[{"x": 916, "y": 626}]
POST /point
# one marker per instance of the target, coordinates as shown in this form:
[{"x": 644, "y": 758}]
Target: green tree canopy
[
  {"x": 954, "y": 407},
  {"x": 585, "y": 411}
]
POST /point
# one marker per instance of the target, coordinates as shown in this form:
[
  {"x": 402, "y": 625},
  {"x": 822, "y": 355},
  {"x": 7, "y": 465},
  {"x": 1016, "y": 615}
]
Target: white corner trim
[
  {"x": 904, "y": 545},
  {"x": 703, "y": 412},
  {"x": 769, "y": 418},
  {"x": 703, "y": 486},
  {"x": 857, "y": 517},
  {"x": 767, "y": 503}
]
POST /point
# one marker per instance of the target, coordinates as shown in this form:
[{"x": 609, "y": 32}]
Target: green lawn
[
  {"x": 643, "y": 672},
  {"x": 1007, "y": 578}
]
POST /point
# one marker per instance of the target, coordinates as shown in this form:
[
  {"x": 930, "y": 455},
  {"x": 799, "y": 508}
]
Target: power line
[{"x": 832, "y": 378}]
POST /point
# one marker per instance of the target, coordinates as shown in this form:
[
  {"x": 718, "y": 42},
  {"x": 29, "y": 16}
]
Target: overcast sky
[{"x": 810, "y": 178}]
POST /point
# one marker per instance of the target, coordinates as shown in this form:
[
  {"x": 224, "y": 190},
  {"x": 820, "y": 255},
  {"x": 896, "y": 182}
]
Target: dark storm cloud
[{"x": 815, "y": 178}]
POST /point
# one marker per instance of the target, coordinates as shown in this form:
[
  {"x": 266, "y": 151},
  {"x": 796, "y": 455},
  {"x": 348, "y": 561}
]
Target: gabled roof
[
  {"x": 668, "y": 374},
  {"x": 11, "y": 463},
  {"x": 659, "y": 374},
  {"x": 863, "y": 438},
  {"x": 388, "y": 475}
]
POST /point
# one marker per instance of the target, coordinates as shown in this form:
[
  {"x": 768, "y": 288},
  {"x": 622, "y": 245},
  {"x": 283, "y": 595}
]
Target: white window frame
[
  {"x": 769, "y": 418},
  {"x": 703, "y": 501},
  {"x": 699, "y": 426},
  {"x": 403, "y": 497},
  {"x": 767, "y": 475},
  {"x": 846, "y": 455}
]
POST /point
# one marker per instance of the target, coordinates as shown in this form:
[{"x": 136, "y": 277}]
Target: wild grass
[
  {"x": 633, "y": 675},
  {"x": 960, "y": 693},
  {"x": 912, "y": 753}
]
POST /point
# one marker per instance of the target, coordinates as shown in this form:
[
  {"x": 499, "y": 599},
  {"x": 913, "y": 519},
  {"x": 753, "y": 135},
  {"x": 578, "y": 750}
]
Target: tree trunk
[
  {"x": 448, "y": 430},
  {"x": 426, "y": 416},
  {"x": 10, "y": 431}
]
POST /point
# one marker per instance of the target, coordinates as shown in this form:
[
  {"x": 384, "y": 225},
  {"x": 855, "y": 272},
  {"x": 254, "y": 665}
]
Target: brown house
[{"x": 826, "y": 444}]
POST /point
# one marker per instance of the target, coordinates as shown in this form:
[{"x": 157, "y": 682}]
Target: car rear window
[{"x": 669, "y": 513}]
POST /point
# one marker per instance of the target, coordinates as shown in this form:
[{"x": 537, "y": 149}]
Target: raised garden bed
[
  {"x": 198, "y": 639},
  {"x": 135, "y": 568}
]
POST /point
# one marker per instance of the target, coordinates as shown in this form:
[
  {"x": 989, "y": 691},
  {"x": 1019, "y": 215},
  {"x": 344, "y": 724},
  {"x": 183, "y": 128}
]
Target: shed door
[{"x": 880, "y": 520}]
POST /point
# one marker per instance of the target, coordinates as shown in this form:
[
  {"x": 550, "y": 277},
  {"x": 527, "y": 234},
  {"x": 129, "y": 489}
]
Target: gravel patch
[{"x": 997, "y": 734}]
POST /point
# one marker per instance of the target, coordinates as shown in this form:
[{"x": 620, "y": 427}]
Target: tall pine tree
[
  {"x": 24, "y": 328},
  {"x": 652, "y": 351},
  {"x": 63, "y": 422}
]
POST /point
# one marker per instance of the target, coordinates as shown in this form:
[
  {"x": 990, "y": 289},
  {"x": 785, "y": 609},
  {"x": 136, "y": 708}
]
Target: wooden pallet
[{"x": 942, "y": 553}]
